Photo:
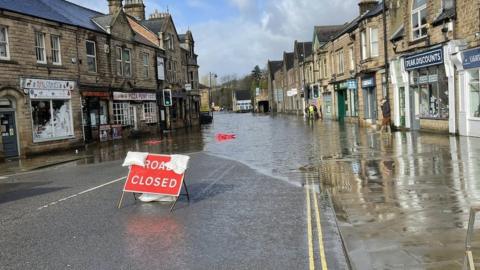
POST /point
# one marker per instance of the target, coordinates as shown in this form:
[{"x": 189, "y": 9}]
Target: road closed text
[{"x": 154, "y": 181}]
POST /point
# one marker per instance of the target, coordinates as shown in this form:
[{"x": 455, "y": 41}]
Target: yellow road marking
[
  {"x": 309, "y": 229},
  {"x": 319, "y": 233}
]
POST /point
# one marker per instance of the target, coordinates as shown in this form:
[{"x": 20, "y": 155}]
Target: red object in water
[
  {"x": 153, "y": 142},
  {"x": 224, "y": 137}
]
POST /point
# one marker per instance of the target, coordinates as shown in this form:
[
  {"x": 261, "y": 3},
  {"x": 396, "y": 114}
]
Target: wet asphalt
[{"x": 401, "y": 201}]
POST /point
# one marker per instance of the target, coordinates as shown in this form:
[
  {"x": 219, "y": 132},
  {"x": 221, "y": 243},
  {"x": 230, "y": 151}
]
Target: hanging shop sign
[
  {"x": 39, "y": 84},
  {"x": 293, "y": 92},
  {"x": 471, "y": 58},
  {"x": 160, "y": 69},
  {"x": 368, "y": 82},
  {"x": 424, "y": 59},
  {"x": 188, "y": 87},
  {"x": 134, "y": 96},
  {"x": 352, "y": 84}
]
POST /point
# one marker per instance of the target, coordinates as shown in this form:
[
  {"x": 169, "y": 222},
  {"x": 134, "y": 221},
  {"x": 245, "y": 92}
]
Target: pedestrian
[
  {"x": 311, "y": 112},
  {"x": 385, "y": 105}
]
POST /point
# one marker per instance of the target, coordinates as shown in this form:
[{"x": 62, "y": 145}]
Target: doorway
[
  {"x": 341, "y": 97},
  {"x": 415, "y": 108},
  {"x": 402, "y": 106},
  {"x": 8, "y": 130}
]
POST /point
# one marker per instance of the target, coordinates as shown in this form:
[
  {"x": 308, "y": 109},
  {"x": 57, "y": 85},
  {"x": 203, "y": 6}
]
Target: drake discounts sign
[{"x": 154, "y": 178}]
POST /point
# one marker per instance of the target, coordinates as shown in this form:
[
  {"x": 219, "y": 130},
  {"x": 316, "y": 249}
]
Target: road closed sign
[{"x": 154, "y": 178}]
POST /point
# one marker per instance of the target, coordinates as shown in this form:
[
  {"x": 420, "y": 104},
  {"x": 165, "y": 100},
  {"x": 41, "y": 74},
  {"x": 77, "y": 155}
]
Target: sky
[{"x": 232, "y": 36}]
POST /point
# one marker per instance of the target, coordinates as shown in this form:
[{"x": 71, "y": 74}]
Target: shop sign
[
  {"x": 427, "y": 79},
  {"x": 95, "y": 94},
  {"x": 352, "y": 84},
  {"x": 292, "y": 92},
  {"x": 188, "y": 87},
  {"x": 39, "y": 84},
  {"x": 49, "y": 94},
  {"x": 134, "y": 96},
  {"x": 425, "y": 59},
  {"x": 370, "y": 82},
  {"x": 471, "y": 58},
  {"x": 341, "y": 86}
]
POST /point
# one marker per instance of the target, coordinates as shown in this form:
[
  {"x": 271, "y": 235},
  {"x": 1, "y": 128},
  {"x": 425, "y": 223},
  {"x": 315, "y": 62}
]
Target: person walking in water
[
  {"x": 311, "y": 111},
  {"x": 385, "y": 105}
]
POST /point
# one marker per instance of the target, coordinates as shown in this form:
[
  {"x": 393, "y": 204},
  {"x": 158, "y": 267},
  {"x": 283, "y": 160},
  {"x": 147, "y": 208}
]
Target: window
[
  {"x": 448, "y": 4},
  {"x": 127, "y": 67},
  {"x": 40, "y": 47},
  {"x": 373, "y": 42},
  {"x": 91, "y": 56},
  {"x": 145, "y": 64},
  {"x": 4, "y": 50},
  {"x": 119, "y": 61},
  {"x": 419, "y": 19},
  {"x": 52, "y": 119},
  {"x": 325, "y": 74},
  {"x": 150, "y": 112},
  {"x": 474, "y": 91},
  {"x": 363, "y": 37},
  {"x": 56, "y": 54},
  {"x": 432, "y": 85},
  {"x": 122, "y": 114},
  {"x": 341, "y": 65},
  {"x": 352, "y": 58}
]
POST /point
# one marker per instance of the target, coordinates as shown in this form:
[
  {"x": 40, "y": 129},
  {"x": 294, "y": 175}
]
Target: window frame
[
  {"x": 352, "y": 58},
  {"x": 127, "y": 63},
  {"x": 417, "y": 12},
  {"x": 7, "y": 44},
  {"x": 57, "y": 50},
  {"x": 94, "y": 56},
  {"x": 471, "y": 114},
  {"x": 341, "y": 61},
  {"x": 39, "y": 50},
  {"x": 119, "y": 61},
  {"x": 146, "y": 64},
  {"x": 363, "y": 44}
]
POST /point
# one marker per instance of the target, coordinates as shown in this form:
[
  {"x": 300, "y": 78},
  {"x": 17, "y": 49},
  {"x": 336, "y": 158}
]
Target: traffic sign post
[
  {"x": 155, "y": 178},
  {"x": 167, "y": 97}
]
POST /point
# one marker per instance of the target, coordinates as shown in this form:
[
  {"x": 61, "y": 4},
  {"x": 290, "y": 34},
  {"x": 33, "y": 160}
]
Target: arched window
[
  {"x": 5, "y": 103},
  {"x": 419, "y": 19}
]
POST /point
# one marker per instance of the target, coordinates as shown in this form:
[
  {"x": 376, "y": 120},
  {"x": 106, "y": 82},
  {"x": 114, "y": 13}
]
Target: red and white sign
[{"x": 155, "y": 178}]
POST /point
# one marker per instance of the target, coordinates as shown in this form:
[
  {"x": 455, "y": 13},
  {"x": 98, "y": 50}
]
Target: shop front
[
  {"x": 399, "y": 97},
  {"x": 342, "y": 100},
  {"x": 469, "y": 80},
  {"x": 47, "y": 123},
  {"x": 369, "y": 99},
  {"x": 327, "y": 104},
  {"x": 96, "y": 118},
  {"x": 352, "y": 98},
  {"x": 428, "y": 90},
  {"x": 134, "y": 112}
]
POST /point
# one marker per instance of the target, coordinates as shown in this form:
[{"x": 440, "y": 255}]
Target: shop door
[
  {"x": 415, "y": 108},
  {"x": 327, "y": 105},
  {"x": 373, "y": 103},
  {"x": 8, "y": 132},
  {"x": 341, "y": 105},
  {"x": 402, "y": 106}
]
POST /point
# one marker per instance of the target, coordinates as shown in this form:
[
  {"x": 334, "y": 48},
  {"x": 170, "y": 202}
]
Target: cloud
[{"x": 242, "y": 5}]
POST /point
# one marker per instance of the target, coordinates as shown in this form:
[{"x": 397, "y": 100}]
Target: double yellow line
[{"x": 309, "y": 189}]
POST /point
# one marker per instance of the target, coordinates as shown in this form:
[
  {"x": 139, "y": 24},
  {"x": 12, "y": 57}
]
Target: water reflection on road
[{"x": 402, "y": 200}]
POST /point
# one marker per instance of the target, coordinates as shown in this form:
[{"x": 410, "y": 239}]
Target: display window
[
  {"x": 51, "y": 119},
  {"x": 150, "y": 112},
  {"x": 122, "y": 113},
  {"x": 432, "y": 86},
  {"x": 474, "y": 92}
]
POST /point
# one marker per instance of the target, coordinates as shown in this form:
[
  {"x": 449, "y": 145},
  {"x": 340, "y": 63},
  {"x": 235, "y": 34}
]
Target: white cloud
[
  {"x": 237, "y": 45},
  {"x": 242, "y": 5}
]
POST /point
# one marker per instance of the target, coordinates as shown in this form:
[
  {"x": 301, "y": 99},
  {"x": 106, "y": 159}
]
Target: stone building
[
  {"x": 301, "y": 51},
  {"x": 423, "y": 73},
  {"x": 275, "y": 85},
  {"x": 41, "y": 52},
  {"x": 467, "y": 62},
  {"x": 290, "y": 92}
]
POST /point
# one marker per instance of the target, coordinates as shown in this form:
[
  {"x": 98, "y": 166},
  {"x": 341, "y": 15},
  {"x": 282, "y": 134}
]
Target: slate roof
[
  {"x": 325, "y": 33},
  {"x": 274, "y": 66},
  {"x": 182, "y": 37},
  {"x": 288, "y": 58},
  {"x": 104, "y": 21},
  {"x": 349, "y": 27},
  {"x": 303, "y": 50},
  {"x": 156, "y": 25},
  {"x": 447, "y": 14},
  {"x": 54, "y": 10},
  {"x": 242, "y": 95}
]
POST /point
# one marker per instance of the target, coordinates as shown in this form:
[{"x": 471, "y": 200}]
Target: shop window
[
  {"x": 52, "y": 120},
  {"x": 150, "y": 112},
  {"x": 56, "y": 54},
  {"x": 474, "y": 91},
  {"x": 40, "y": 47},
  {"x": 4, "y": 47},
  {"x": 433, "y": 90},
  {"x": 122, "y": 113},
  {"x": 419, "y": 19},
  {"x": 91, "y": 56},
  {"x": 103, "y": 112}
]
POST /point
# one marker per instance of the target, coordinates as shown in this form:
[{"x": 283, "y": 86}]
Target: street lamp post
[{"x": 210, "y": 74}]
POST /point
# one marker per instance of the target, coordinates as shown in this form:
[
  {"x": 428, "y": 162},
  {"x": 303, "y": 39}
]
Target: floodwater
[{"x": 402, "y": 200}]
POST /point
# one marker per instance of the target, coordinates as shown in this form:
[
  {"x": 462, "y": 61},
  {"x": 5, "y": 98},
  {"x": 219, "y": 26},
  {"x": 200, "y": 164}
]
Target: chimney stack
[
  {"x": 366, "y": 5},
  {"x": 135, "y": 8},
  {"x": 114, "y": 6}
]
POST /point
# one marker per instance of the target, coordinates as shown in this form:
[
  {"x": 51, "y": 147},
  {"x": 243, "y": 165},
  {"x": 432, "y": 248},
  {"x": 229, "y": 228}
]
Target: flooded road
[{"x": 401, "y": 200}]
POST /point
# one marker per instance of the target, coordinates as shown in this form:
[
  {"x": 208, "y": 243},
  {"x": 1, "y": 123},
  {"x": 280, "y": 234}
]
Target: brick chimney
[
  {"x": 135, "y": 8},
  {"x": 114, "y": 6},
  {"x": 366, "y": 5}
]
